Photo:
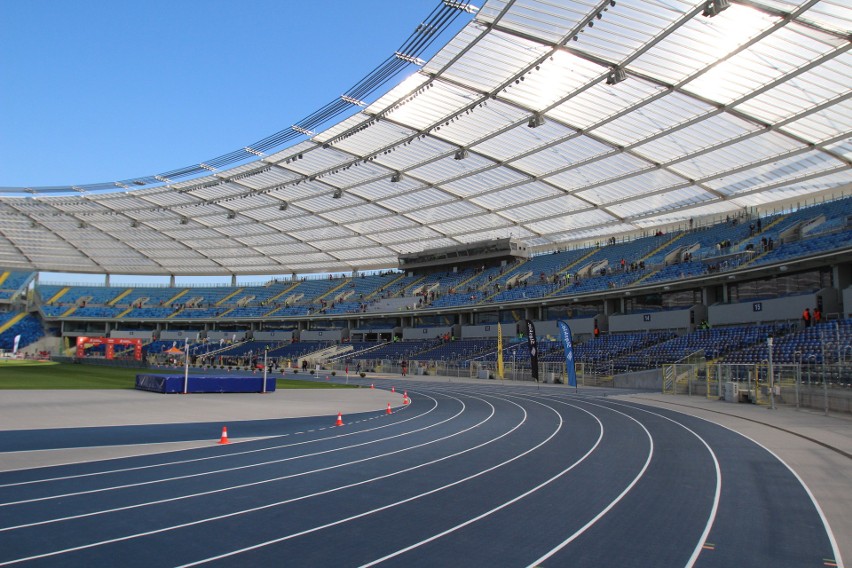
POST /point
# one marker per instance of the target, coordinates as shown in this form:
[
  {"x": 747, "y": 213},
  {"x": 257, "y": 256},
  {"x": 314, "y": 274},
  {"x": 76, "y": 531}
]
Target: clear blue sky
[{"x": 103, "y": 90}]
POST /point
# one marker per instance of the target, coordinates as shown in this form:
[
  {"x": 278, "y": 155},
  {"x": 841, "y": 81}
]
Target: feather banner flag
[
  {"x": 499, "y": 351},
  {"x": 570, "y": 371},
  {"x": 533, "y": 345}
]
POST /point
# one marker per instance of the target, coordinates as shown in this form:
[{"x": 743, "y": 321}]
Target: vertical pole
[
  {"x": 719, "y": 381},
  {"x": 824, "y": 378},
  {"x": 186, "y": 366},
  {"x": 265, "y": 367},
  {"x": 771, "y": 374},
  {"x": 837, "y": 339},
  {"x": 798, "y": 380},
  {"x": 708, "y": 375},
  {"x": 748, "y": 384}
]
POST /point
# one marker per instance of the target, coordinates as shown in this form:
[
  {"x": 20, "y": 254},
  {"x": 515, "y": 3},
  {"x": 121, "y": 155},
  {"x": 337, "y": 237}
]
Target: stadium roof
[{"x": 552, "y": 121}]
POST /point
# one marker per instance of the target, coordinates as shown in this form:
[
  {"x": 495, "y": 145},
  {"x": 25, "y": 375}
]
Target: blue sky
[
  {"x": 97, "y": 90},
  {"x": 103, "y": 90}
]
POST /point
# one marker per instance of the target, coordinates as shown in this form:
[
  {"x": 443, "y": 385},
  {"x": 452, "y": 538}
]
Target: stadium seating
[
  {"x": 29, "y": 328},
  {"x": 13, "y": 282}
]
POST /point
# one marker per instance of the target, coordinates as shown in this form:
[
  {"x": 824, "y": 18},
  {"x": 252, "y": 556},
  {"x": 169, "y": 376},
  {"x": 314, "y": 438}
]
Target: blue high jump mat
[{"x": 168, "y": 384}]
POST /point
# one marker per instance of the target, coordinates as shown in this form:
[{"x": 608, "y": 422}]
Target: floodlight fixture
[
  {"x": 283, "y": 206},
  {"x": 231, "y": 214},
  {"x": 616, "y": 75},
  {"x": 715, "y": 7},
  {"x": 396, "y": 177},
  {"x": 134, "y": 223},
  {"x": 338, "y": 193},
  {"x": 536, "y": 120},
  {"x": 184, "y": 220},
  {"x": 461, "y": 154}
]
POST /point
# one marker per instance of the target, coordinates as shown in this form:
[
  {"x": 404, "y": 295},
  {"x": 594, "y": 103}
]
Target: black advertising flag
[{"x": 533, "y": 345}]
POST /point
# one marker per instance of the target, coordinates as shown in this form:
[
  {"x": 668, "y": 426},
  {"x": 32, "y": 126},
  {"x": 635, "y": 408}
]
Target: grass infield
[{"x": 60, "y": 376}]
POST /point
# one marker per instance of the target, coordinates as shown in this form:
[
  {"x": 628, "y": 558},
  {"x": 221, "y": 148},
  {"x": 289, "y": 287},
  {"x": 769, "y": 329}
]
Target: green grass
[
  {"x": 67, "y": 376},
  {"x": 4, "y": 362}
]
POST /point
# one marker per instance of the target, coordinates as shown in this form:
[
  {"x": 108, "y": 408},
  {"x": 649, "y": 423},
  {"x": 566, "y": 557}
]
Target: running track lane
[{"x": 473, "y": 475}]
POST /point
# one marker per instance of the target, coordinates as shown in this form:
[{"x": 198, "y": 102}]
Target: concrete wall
[
  {"x": 487, "y": 331},
  {"x": 651, "y": 379},
  {"x": 669, "y": 319},
  {"x": 277, "y": 335},
  {"x": 181, "y": 335},
  {"x": 542, "y": 328},
  {"x": 847, "y": 302},
  {"x": 217, "y": 335},
  {"x": 322, "y": 335},
  {"x": 775, "y": 309},
  {"x": 415, "y": 333},
  {"x": 579, "y": 326},
  {"x": 360, "y": 334},
  {"x": 133, "y": 334}
]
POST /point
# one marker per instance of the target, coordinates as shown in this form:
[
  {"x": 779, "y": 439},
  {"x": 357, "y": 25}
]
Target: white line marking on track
[
  {"x": 227, "y": 469},
  {"x": 216, "y": 457},
  {"x": 717, "y": 494},
  {"x": 830, "y": 534},
  {"x": 612, "y": 504},
  {"x": 214, "y": 491},
  {"x": 385, "y": 507},
  {"x": 505, "y": 504},
  {"x": 295, "y": 499}
]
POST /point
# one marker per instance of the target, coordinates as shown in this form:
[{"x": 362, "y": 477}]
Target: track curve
[{"x": 467, "y": 474}]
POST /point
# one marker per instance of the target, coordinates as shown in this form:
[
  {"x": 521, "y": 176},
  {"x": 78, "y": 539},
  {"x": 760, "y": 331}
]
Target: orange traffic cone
[
  {"x": 224, "y": 438},
  {"x": 405, "y": 400},
  {"x": 339, "y": 419},
  {"x": 404, "y": 394},
  {"x": 389, "y": 411},
  {"x": 393, "y": 389},
  {"x": 372, "y": 386}
]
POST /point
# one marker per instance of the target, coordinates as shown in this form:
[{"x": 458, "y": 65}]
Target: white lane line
[
  {"x": 295, "y": 499},
  {"x": 508, "y": 503},
  {"x": 717, "y": 494},
  {"x": 389, "y": 505},
  {"x": 140, "y": 445},
  {"x": 217, "y": 471},
  {"x": 838, "y": 561},
  {"x": 613, "y": 503},
  {"x": 216, "y": 457},
  {"x": 290, "y": 476}
]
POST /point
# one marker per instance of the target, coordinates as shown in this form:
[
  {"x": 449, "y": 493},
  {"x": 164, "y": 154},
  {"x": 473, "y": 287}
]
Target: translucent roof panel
[
  {"x": 552, "y": 80},
  {"x": 807, "y": 90},
  {"x": 618, "y": 32},
  {"x": 529, "y": 123},
  {"x": 762, "y": 63},
  {"x": 493, "y": 59},
  {"x": 600, "y": 102},
  {"x": 701, "y": 42},
  {"x": 550, "y": 21}
]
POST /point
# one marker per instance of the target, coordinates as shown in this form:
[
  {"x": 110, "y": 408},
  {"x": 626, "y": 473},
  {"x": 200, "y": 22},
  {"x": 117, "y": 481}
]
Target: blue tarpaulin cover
[{"x": 174, "y": 383}]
